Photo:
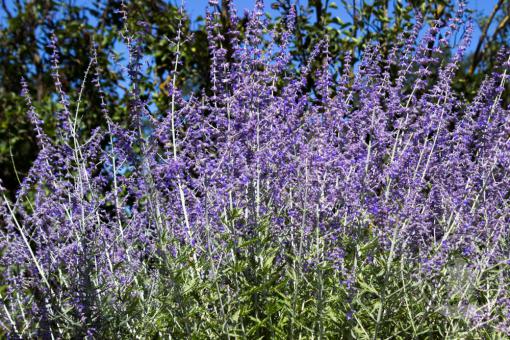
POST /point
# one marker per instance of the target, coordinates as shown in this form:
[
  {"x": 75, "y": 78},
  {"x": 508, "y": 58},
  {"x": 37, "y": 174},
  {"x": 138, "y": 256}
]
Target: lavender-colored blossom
[{"x": 392, "y": 156}]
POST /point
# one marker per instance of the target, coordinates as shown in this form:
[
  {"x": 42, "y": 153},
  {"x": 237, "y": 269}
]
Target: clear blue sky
[{"x": 197, "y": 8}]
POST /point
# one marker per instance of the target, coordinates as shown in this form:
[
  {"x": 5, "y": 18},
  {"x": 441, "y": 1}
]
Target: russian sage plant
[{"x": 373, "y": 205}]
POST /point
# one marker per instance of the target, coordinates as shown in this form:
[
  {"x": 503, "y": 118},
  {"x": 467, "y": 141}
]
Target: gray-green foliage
[{"x": 260, "y": 287}]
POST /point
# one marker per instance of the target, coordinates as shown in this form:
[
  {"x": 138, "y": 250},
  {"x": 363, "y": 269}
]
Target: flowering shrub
[{"x": 376, "y": 207}]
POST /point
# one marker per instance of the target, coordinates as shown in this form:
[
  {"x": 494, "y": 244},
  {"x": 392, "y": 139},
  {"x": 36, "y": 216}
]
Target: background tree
[{"x": 24, "y": 52}]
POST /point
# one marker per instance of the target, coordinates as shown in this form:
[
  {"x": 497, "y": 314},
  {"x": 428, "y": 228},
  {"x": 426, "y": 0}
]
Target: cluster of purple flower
[{"x": 388, "y": 151}]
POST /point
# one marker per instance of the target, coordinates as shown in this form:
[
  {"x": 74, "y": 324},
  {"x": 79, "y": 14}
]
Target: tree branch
[
  {"x": 6, "y": 9},
  {"x": 477, "y": 56}
]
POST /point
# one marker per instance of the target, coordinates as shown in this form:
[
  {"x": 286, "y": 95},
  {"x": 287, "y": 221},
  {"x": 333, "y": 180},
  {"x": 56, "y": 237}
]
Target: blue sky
[{"x": 197, "y": 8}]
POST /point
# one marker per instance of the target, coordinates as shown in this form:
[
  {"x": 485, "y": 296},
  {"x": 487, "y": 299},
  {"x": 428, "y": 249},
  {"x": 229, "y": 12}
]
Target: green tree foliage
[{"x": 24, "y": 52}]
